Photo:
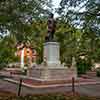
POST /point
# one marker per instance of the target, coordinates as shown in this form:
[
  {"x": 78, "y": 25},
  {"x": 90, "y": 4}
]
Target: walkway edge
[{"x": 49, "y": 86}]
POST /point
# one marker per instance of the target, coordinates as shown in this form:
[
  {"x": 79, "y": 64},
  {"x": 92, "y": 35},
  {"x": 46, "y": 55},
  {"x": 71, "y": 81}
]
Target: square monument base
[{"x": 53, "y": 73}]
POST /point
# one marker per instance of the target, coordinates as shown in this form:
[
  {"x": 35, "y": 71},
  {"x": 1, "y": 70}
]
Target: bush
[
  {"x": 98, "y": 72},
  {"x": 83, "y": 66},
  {"x": 2, "y": 65}
]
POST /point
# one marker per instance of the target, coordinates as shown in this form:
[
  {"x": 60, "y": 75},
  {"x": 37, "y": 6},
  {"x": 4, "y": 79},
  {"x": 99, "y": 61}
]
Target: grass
[{"x": 56, "y": 96}]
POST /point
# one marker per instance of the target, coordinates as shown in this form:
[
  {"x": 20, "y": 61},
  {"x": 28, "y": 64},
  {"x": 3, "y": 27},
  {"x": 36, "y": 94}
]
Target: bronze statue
[{"x": 51, "y": 28}]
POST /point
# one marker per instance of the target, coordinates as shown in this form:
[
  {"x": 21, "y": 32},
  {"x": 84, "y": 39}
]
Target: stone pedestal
[
  {"x": 52, "y": 53},
  {"x": 54, "y": 73},
  {"x": 52, "y": 69}
]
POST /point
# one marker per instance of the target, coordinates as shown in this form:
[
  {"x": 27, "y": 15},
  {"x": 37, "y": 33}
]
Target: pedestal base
[
  {"x": 52, "y": 69},
  {"x": 53, "y": 73}
]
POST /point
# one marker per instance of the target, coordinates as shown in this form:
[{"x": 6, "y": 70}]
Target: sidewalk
[
  {"x": 39, "y": 83},
  {"x": 31, "y": 84}
]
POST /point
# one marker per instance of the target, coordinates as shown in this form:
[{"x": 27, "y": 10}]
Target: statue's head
[{"x": 51, "y": 15}]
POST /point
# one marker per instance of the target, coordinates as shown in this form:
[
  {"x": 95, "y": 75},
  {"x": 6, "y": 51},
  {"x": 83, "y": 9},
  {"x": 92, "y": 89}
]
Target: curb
[{"x": 50, "y": 86}]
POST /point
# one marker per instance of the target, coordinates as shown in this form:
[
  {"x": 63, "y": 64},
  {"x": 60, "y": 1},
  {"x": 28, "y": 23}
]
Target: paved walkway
[
  {"x": 90, "y": 90},
  {"x": 30, "y": 83}
]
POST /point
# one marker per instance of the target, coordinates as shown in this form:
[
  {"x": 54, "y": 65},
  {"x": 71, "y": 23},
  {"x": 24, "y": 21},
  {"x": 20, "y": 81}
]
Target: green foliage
[
  {"x": 83, "y": 65},
  {"x": 26, "y": 20},
  {"x": 98, "y": 72},
  {"x": 67, "y": 36},
  {"x": 7, "y": 51},
  {"x": 16, "y": 16},
  {"x": 88, "y": 21},
  {"x": 85, "y": 11}
]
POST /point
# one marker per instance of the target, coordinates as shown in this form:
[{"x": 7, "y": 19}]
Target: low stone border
[{"x": 52, "y": 85}]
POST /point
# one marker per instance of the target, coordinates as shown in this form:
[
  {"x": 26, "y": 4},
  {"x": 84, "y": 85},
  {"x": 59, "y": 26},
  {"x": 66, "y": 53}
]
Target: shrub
[
  {"x": 83, "y": 66},
  {"x": 98, "y": 72},
  {"x": 2, "y": 65}
]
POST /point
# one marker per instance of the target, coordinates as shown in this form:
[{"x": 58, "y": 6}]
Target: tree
[
  {"x": 82, "y": 12},
  {"x": 7, "y": 50},
  {"x": 22, "y": 20},
  {"x": 16, "y": 16},
  {"x": 84, "y": 15}
]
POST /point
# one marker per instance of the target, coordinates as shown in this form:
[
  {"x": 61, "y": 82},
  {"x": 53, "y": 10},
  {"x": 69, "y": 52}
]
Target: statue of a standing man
[{"x": 51, "y": 28}]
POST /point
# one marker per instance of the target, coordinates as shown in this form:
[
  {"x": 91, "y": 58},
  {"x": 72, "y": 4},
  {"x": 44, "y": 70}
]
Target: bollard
[
  {"x": 19, "y": 89},
  {"x": 73, "y": 85}
]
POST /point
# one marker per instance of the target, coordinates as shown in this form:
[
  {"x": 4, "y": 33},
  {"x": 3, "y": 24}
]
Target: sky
[{"x": 56, "y": 3}]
